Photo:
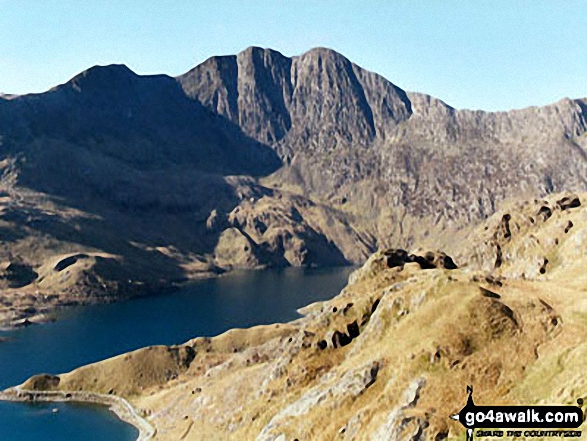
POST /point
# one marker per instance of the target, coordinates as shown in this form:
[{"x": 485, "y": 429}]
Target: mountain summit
[
  {"x": 339, "y": 127},
  {"x": 270, "y": 95},
  {"x": 253, "y": 160}
]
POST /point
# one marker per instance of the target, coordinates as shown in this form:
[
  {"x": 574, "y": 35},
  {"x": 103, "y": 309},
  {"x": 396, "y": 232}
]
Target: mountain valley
[{"x": 115, "y": 184}]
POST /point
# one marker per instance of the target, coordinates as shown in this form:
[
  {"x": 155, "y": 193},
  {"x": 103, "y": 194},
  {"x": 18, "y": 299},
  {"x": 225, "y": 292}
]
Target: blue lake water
[{"x": 87, "y": 334}]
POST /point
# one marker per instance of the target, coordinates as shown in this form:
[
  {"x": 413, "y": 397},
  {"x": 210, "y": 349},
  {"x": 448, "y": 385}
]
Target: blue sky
[{"x": 491, "y": 55}]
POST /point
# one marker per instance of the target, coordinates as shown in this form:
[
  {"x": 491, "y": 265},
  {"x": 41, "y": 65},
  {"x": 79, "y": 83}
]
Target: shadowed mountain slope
[{"x": 252, "y": 160}]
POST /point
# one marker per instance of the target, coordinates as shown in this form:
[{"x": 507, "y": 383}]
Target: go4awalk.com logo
[{"x": 520, "y": 421}]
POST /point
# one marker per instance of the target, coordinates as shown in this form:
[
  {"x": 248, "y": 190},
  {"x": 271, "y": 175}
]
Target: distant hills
[{"x": 253, "y": 160}]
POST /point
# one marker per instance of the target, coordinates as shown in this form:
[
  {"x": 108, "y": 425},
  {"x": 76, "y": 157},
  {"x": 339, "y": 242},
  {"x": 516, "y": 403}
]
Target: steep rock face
[
  {"x": 350, "y": 135},
  {"x": 252, "y": 89},
  {"x": 319, "y": 95},
  {"x": 315, "y": 160}
]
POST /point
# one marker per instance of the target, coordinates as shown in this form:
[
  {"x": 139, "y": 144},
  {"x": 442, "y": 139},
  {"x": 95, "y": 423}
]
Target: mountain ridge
[
  {"x": 254, "y": 160},
  {"x": 318, "y": 48}
]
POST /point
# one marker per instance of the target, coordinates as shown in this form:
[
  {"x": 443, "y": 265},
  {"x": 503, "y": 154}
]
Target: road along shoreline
[{"x": 118, "y": 405}]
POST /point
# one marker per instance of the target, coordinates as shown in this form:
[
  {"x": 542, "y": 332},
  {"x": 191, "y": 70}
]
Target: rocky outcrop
[
  {"x": 535, "y": 242},
  {"x": 430, "y": 260},
  {"x": 235, "y": 250},
  {"x": 569, "y": 202},
  {"x": 42, "y": 382}
]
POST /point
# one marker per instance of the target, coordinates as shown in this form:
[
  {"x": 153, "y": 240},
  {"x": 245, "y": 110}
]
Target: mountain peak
[
  {"x": 107, "y": 70},
  {"x": 323, "y": 51},
  {"x": 255, "y": 50},
  {"x": 324, "y": 54},
  {"x": 102, "y": 77}
]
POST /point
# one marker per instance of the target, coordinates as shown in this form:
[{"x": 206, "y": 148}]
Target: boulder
[
  {"x": 396, "y": 257},
  {"x": 430, "y": 260},
  {"x": 568, "y": 202}
]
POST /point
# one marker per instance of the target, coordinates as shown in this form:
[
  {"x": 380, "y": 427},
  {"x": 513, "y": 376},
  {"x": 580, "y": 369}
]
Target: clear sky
[{"x": 491, "y": 55}]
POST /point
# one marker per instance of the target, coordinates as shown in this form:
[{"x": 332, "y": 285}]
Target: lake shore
[
  {"x": 11, "y": 320},
  {"x": 241, "y": 300},
  {"x": 22, "y": 313},
  {"x": 119, "y": 406}
]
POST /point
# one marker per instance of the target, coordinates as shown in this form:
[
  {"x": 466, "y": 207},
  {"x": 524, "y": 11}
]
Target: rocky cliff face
[
  {"x": 257, "y": 160},
  {"x": 353, "y": 138}
]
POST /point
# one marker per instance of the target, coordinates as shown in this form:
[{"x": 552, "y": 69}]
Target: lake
[{"x": 82, "y": 335}]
